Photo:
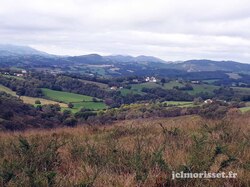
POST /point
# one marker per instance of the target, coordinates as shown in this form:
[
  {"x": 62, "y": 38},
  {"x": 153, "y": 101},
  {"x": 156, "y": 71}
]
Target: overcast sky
[{"x": 169, "y": 29}]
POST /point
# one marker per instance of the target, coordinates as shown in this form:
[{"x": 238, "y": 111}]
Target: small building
[
  {"x": 113, "y": 88},
  {"x": 195, "y": 82},
  {"x": 19, "y": 75},
  {"x": 150, "y": 79},
  {"x": 208, "y": 101}
]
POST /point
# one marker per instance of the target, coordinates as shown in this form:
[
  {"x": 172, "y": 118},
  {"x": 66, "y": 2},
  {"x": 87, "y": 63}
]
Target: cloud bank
[{"x": 169, "y": 29}]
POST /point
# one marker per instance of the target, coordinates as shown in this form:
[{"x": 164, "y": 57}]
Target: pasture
[
  {"x": 198, "y": 88},
  {"x": 30, "y": 100},
  {"x": 101, "y": 85},
  {"x": 66, "y": 97},
  {"x": 79, "y": 101}
]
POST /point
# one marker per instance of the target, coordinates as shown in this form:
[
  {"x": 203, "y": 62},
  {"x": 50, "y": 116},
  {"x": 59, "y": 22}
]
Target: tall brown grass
[{"x": 128, "y": 153}]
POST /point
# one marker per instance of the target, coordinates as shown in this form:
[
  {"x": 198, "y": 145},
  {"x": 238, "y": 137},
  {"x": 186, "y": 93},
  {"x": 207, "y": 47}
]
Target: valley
[{"x": 119, "y": 120}]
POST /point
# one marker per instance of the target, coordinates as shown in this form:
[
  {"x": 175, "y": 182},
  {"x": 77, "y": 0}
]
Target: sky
[{"x": 169, "y": 29}]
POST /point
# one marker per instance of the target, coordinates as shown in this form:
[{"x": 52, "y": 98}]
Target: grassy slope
[
  {"x": 242, "y": 91},
  {"x": 180, "y": 103},
  {"x": 15, "y": 77},
  {"x": 198, "y": 88},
  {"x": 172, "y": 84},
  {"x": 66, "y": 97},
  {"x": 245, "y": 109},
  {"x": 101, "y": 85},
  {"x": 132, "y": 153},
  {"x": 31, "y": 100},
  {"x": 79, "y": 101}
]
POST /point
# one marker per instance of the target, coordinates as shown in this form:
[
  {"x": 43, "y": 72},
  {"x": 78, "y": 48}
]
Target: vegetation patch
[
  {"x": 66, "y": 97},
  {"x": 78, "y": 101},
  {"x": 199, "y": 88},
  {"x": 30, "y": 100}
]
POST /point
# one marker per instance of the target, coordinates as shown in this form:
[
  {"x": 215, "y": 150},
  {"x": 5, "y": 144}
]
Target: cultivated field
[
  {"x": 197, "y": 88},
  {"x": 31, "y": 100},
  {"x": 101, "y": 85},
  {"x": 79, "y": 101}
]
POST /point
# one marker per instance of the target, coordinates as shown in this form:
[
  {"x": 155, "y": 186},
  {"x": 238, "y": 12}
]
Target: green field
[
  {"x": 101, "y": 85},
  {"x": 198, "y": 88},
  {"x": 15, "y": 77},
  {"x": 210, "y": 81},
  {"x": 125, "y": 91},
  {"x": 79, "y": 101},
  {"x": 138, "y": 87},
  {"x": 7, "y": 90},
  {"x": 241, "y": 90},
  {"x": 30, "y": 100},
  {"x": 172, "y": 84},
  {"x": 245, "y": 109},
  {"x": 66, "y": 97},
  {"x": 179, "y": 103}
]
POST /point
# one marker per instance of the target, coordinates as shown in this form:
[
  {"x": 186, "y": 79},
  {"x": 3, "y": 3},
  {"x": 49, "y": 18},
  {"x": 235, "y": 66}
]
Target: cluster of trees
[
  {"x": 186, "y": 87},
  {"x": 22, "y": 87},
  {"x": 168, "y": 95},
  {"x": 15, "y": 115},
  {"x": 242, "y": 81}
]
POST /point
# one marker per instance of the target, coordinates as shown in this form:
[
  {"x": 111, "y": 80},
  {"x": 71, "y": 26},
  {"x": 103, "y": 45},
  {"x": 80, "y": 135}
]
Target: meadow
[
  {"x": 101, "y": 85},
  {"x": 129, "y": 153},
  {"x": 197, "y": 88},
  {"x": 31, "y": 100},
  {"x": 12, "y": 76},
  {"x": 79, "y": 101},
  {"x": 179, "y": 103},
  {"x": 242, "y": 91}
]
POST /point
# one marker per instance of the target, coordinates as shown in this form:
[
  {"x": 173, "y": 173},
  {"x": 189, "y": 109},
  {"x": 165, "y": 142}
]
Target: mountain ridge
[{"x": 23, "y": 55}]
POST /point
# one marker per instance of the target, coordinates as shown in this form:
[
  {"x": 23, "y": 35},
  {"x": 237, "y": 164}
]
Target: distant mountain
[
  {"x": 89, "y": 59},
  {"x": 130, "y": 59},
  {"x": 23, "y": 56},
  {"x": 209, "y": 65},
  {"x": 11, "y": 50}
]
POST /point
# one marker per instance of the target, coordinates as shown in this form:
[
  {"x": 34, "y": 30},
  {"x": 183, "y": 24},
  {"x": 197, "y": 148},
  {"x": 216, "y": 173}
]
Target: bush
[{"x": 37, "y": 102}]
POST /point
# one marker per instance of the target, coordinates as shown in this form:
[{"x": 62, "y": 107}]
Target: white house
[
  {"x": 150, "y": 79},
  {"x": 195, "y": 82},
  {"x": 113, "y": 88},
  {"x": 208, "y": 101}
]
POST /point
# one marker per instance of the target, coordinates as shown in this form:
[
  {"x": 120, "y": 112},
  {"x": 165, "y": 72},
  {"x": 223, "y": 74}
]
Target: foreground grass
[{"x": 129, "y": 153}]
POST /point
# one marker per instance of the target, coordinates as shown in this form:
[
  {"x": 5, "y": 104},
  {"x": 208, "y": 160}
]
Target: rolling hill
[{"x": 22, "y": 56}]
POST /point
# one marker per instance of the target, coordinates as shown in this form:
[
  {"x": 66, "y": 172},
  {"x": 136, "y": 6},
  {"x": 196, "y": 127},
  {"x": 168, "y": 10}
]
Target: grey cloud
[{"x": 170, "y": 29}]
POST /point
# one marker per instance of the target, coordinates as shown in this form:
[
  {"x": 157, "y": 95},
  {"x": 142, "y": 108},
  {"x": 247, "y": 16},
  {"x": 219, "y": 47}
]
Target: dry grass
[
  {"x": 129, "y": 153},
  {"x": 32, "y": 100}
]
